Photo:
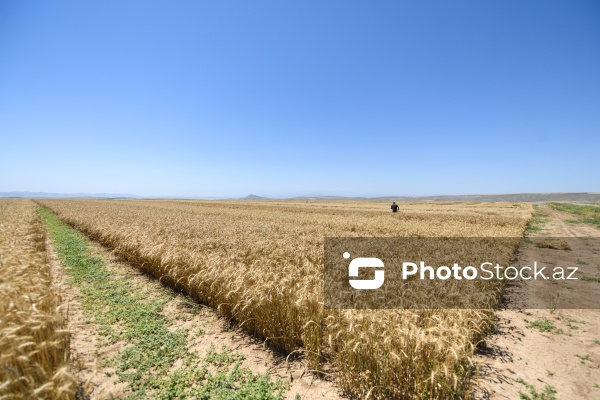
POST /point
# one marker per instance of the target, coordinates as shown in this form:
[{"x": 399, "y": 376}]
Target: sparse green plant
[
  {"x": 543, "y": 325},
  {"x": 537, "y": 222},
  {"x": 583, "y": 359},
  {"x": 225, "y": 356},
  {"x": 549, "y": 392}
]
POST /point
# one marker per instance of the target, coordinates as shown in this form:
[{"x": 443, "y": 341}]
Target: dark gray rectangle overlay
[{"x": 462, "y": 273}]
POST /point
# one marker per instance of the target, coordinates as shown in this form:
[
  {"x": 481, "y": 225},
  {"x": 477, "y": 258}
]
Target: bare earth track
[
  {"x": 565, "y": 355},
  {"x": 100, "y": 382}
]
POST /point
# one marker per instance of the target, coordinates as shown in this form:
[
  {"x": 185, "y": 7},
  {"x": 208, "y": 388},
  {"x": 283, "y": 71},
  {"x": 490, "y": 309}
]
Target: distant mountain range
[
  {"x": 44, "y": 195},
  {"x": 515, "y": 197}
]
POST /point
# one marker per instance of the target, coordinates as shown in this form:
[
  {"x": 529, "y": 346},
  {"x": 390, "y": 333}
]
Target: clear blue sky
[{"x": 283, "y": 98}]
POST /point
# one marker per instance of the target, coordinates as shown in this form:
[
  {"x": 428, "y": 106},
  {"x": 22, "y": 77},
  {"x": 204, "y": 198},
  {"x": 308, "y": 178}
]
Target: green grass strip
[
  {"x": 537, "y": 222},
  {"x": 128, "y": 313},
  {"x": 588, "y": 214}
]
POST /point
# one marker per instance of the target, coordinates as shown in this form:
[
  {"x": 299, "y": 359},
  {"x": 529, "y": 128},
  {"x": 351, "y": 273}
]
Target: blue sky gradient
[{"x": 286, "y": 98}]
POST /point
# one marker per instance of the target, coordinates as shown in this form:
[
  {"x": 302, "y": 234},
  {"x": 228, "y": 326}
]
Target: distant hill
[
  {"x": 253, "y": 197},
  {"x": 515, "y": 197},
  {"x": 583, "y": 197},
  {"x": 44, "y": 195}
]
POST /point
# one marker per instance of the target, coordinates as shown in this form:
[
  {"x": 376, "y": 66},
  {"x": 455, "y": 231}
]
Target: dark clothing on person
[{"x": 395, "y": 207}]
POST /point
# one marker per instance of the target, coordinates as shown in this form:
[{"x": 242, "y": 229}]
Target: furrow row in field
[{"x": 261, "y": 263}]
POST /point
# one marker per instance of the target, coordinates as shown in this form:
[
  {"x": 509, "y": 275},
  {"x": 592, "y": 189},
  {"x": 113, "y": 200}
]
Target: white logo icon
[{"x": 365, "y": 262}]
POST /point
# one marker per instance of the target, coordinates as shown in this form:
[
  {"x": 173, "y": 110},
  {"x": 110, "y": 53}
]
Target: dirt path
[
  {"x": 85, "y": 350},
  {"x": 545, "y": 352},
  {"x": 90, "y": 350}
]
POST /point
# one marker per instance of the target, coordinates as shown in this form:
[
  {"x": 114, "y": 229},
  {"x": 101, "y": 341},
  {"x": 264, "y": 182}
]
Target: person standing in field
[{"x": 394, "y": 207}]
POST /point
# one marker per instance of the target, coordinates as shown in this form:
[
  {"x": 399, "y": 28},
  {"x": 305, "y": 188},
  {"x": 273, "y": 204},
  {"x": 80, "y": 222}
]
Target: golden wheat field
[
  {"x": 34, "y": 345},
  {"x": 261, "y": 263}
]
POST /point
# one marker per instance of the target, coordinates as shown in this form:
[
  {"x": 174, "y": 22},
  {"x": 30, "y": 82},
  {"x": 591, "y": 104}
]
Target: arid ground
[{"x": 543, "y": 347}]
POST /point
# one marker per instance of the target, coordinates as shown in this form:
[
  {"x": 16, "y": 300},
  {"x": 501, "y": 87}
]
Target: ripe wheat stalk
[
  {"x": 261, "y": 263},
  {"x": 34, "y": 344}
]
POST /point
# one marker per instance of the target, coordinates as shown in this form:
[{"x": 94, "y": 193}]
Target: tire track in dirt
[
  {"x": 84, "y": 344},
  {"x": 541, "y": 347},
  {"x": 206, "y": 327}
]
